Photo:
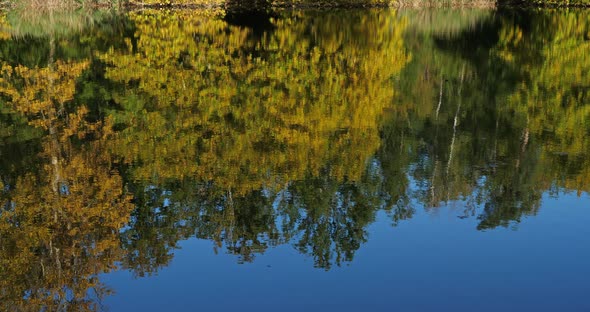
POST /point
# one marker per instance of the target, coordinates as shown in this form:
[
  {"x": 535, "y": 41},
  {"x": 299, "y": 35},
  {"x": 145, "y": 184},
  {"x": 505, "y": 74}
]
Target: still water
[{"x": 295, "y": 160}]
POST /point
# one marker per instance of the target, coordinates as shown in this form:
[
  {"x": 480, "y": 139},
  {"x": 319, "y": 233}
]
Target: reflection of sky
[{"x": 426, "y": 263}]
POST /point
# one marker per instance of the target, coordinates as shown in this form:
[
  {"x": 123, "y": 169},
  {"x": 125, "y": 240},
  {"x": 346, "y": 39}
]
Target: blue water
[
  {"x": 434, "y": 262},
  {"x": 295, "y": 160}
]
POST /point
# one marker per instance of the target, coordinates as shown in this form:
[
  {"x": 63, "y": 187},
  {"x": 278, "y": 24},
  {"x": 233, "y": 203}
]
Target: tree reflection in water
[{"x": 123, "y": 139}]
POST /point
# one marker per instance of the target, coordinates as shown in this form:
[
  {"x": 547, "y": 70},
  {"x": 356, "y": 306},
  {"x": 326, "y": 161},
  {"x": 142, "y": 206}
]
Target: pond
[{"x": 413, "y": 160}]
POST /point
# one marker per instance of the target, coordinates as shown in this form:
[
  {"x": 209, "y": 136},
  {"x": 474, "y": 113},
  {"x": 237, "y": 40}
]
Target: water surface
[{"x": 320, "y": 160}]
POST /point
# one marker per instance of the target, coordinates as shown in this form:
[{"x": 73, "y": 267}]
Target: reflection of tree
[
  {"x": 60, "y": 223},
  {"x": 513, "y": 138},
  {"x": 553, "y": 98},
  {"x": 446, "y": 130},
  {"x": 297, "y": 133},
  {"x": 288, "y": 106},
  {"x": 60, "y": 245},
  {"x": 162, "y": 217},
  {"x": 244, "y": 224},
  {"x": 248, "y": 113},
  {"x": 326, "y": 218}
]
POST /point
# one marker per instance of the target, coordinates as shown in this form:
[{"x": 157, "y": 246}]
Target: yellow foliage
[
  {"x": 218, "y": 105},
  {"x": 62, "y": 227}
]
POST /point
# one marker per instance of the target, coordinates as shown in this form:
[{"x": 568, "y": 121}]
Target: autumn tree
[{"x": 61, "y": 220}]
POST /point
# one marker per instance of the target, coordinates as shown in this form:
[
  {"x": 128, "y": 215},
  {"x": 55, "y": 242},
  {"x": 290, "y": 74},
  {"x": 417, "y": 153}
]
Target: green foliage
[{"x": 122, "y": 139}]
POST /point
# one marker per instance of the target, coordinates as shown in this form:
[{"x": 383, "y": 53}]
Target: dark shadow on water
[{"x": 259, "y": 20}]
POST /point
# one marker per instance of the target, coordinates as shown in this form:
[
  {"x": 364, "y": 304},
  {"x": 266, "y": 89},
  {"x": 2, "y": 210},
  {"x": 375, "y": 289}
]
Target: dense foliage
[{"x": 123, "y": 139}]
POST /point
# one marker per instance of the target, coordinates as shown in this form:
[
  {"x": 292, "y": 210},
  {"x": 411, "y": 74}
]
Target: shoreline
[
  {"x": 316, "y": 5},
  {"x": 515, "y": 4},
  {"x": 133, "y": 5}
]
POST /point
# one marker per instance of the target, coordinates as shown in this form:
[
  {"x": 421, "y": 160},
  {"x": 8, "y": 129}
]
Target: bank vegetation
[{"x": 261, "y": 4}]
